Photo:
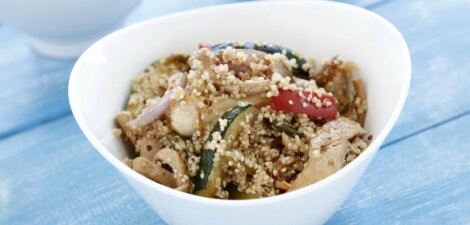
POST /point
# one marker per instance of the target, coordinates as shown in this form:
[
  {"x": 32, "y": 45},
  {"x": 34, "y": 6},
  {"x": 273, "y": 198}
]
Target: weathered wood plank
[
  {"x": 423, "y": 180},
  {"x": 438, "y": 36},
  {"x": 52, "y": 175},
  {"x": 33, "y": 88},
  {"x": 365, "y": 3}
]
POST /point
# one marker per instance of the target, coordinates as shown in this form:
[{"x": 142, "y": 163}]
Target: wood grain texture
[
  {"x": 52, "y": 175},
  {"x": 365, "y": 3},
  {"x": 423, "y": 180},
  {"x": 60, "y": 179},
  {"x": 33, "y": 88},
  {"x": 438, "y": 35}
]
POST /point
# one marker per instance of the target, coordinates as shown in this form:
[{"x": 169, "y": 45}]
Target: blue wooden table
[{"x": 50, "y": 174}]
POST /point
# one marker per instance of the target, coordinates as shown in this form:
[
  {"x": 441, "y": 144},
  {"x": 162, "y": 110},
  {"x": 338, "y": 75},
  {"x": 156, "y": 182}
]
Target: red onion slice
[
  {"x": 154, "y": 112},
  {"x": 157, "y": 109}
]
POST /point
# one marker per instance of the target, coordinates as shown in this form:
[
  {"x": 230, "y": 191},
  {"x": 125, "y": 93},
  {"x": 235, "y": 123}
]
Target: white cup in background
[{"x": 64, "y": 29}]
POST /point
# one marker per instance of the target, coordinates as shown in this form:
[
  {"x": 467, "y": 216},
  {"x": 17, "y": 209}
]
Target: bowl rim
[{"x": 369, "y": 152}]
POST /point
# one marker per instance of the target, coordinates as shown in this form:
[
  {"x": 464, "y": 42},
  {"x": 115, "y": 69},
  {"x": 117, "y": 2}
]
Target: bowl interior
[{"x": 101, "y": 79}]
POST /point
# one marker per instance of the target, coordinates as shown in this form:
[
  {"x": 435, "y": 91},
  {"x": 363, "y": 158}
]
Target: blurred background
[{"x": 50, "y": 174}]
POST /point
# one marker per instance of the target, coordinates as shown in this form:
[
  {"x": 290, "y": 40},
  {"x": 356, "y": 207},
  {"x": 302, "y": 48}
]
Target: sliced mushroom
[
  {"x": 186, "y": 117},
  {"x": 147, "y": 147},
  {"x": 204, "y": 59},
  {"x": 332, "y": 143},
  {"x": 357, "y": 110},
  {"x": 283, "y": 185},
  {"x": 154, "y": 172},
  {"x": 122, "y": 118},
  {"x": 255, "y": 57},
  {"x": 334, "y": 77},
  {"x": 173, "y": 63},
  {"x": 177, "y": 164},
  {"x": 240, "y": 60},
  {"x": 282, "y": 69},
  {"x": 359, "y": 88},
  {"x": 249, "y": 87}
]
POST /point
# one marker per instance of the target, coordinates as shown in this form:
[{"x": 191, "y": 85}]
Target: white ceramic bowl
[
  {"x": 61, "y": 28},
  {"x": 100, "y": 83}
]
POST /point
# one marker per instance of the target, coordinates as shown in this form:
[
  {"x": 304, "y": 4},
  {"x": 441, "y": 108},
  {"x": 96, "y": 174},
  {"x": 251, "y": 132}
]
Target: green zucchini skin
[
  {"x": 205, "y": 167},
  {"x": 286, "y": 128},
  {"x": 270, "y": 49},
  {"x": 206, "y": 164}
]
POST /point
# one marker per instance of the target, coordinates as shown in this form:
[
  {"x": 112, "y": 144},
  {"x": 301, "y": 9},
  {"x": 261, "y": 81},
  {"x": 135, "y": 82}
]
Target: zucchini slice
[
  {"x": 205, "y": 181},
  {"x": 270, "y": 49},
  {"x": 237, "y": 195},
  {"x": 185, "y": 119},
  {"x": 286, "y": 128}
]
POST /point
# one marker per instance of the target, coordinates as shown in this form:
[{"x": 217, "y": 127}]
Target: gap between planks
[
  {"x": 427, "y": 128},
  {"x": 68, "y": 112},
  {"x": 27, "y": 127},
  {"x": 373, "y": 5},
  {"x": 385, "y": 145}
]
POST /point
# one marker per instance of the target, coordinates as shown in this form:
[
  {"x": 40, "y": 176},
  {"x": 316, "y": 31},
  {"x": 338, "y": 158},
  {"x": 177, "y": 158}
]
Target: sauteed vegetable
[{"x": 243, "y": 120}]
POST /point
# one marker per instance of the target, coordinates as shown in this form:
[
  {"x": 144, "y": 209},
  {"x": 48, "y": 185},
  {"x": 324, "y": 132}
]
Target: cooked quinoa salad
[{"x": 243, "y": 120}]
